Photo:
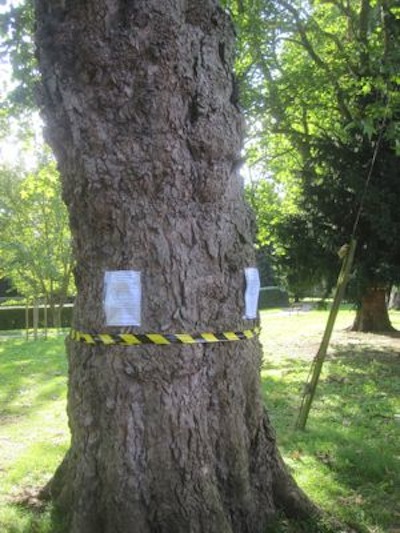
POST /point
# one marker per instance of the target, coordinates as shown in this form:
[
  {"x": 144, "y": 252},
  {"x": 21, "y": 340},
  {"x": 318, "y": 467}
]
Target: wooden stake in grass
[{"x": 316, "y": 367}]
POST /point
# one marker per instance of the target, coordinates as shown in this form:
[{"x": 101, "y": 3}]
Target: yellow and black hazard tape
[{"x": 129, "y": 339}]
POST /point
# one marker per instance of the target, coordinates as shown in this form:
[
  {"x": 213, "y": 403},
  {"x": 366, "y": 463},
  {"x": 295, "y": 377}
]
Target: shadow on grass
[{"x": 351, "y": 441}]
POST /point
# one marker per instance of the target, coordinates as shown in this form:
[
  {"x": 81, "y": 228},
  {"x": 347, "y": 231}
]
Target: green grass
[
  {"x": 33, "y": 427},
  {"x": 347, "y": 460}
]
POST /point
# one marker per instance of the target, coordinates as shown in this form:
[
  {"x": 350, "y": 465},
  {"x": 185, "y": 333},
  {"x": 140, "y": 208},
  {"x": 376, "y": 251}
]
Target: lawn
[
  {"x": 347, "y": 459},
  {"x": 33, "y": 426}
]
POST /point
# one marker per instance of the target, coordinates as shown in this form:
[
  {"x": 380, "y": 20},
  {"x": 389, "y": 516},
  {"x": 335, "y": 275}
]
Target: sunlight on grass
[
  {"x": 348, "y": 458},
  {"x": 33, "y": 426}
]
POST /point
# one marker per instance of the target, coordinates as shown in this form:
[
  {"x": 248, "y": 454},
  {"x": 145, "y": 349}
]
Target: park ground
[{"x": 347, "y": 460}]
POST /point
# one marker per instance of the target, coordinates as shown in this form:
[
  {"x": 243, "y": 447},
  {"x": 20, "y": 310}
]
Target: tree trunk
[
  {"x": 35, "y": 319},
  {"x": 57, "y": 315},
  {"x": 372, "y": 315},
  {"x": 140, "y": 108},
  {"x": 394, "y": 302}
]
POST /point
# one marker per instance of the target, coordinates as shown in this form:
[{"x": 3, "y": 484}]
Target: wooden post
[{"x": 319, "y": 359}]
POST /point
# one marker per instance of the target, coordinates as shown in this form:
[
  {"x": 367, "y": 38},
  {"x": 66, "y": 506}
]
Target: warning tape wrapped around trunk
[{"x": 130, "y": 339}]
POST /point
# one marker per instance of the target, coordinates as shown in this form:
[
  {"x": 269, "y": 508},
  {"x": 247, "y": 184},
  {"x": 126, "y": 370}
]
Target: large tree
[
  {"x": 141, "y": 112},
  {"x": 321, "y": 90}
]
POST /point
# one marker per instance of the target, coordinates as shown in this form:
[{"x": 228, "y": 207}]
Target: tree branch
[{"x": 317, "y": 59}]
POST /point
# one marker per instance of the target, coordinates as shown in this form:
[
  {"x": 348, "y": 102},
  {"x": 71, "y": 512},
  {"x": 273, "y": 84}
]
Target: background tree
[
  {"x": 264, "y": 201},
  {"x": 35, "y": 243},
  {"x": 142, "y": 115},
  {"x": 320, "y": 83},
  {"x": 287, "y": 240},
  {"x": 17, "y": 51}
]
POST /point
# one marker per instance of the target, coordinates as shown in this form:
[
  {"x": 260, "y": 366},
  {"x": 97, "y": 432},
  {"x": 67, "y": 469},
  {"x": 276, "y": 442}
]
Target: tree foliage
[
  {"x": 320, "y": 87},
  {"x": 35, "y": 249},
  {"x": 17, "y": 50}
]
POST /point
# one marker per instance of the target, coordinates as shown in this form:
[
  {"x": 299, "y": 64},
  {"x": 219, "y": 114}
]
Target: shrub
[
  {"x": 14, "y": 317},
  {"x": 273, "y": 297}
]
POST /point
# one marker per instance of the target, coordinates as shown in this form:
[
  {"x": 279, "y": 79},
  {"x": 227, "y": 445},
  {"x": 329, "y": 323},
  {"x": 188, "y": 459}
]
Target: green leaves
[
  {"x": 17, "y": 49},
  {"x": 321, "y": 90},
  {"x": 35, "y": 248}
]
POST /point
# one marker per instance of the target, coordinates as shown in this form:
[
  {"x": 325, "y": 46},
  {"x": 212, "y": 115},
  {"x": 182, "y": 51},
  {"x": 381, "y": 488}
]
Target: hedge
[
  {"x": 14, "y": 317},
  {"x": 273, "y": 297}
]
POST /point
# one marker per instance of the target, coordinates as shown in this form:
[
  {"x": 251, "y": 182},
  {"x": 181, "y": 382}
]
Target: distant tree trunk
[
  {"x": 141, "y": 113},
  {"x": 35, "y": 318},
  {"x": 27, "y": 319},
  {"x": 57, "y": 317},
  {"x": 54, "y": 315},
  {"x": 394, "y": 302},
  {"x": 45, "y": 317},
  {"x": 372, "y": 315}
]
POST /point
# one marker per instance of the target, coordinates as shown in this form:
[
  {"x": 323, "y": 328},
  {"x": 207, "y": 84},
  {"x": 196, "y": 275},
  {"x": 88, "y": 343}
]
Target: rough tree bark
[
  {"x": 141, "y": 112},
  {"x": 372, "y": 314}
]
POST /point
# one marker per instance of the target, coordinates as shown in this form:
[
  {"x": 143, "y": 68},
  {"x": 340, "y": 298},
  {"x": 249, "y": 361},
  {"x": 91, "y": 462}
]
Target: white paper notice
[
  {"x": 122, "y": 298},
  {"x": 252, "y": 291}
]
